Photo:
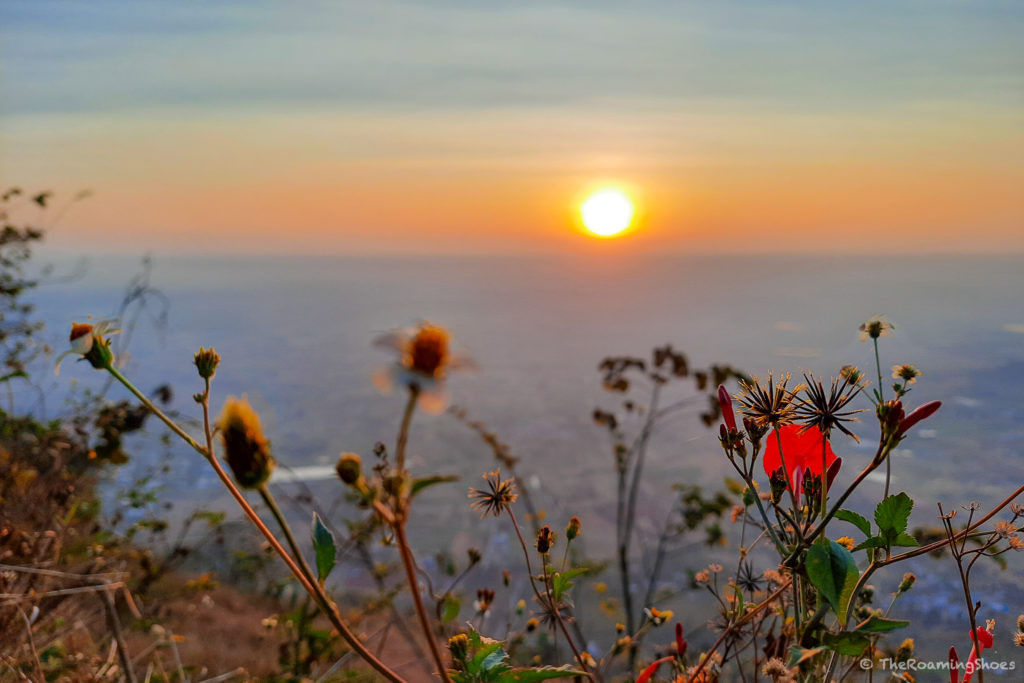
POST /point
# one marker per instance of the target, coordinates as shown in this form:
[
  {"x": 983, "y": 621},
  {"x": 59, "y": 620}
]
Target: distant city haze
[{"x": 456, "y": 127}]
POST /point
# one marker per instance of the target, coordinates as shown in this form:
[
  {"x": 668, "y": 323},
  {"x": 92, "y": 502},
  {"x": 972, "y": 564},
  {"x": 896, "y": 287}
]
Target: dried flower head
[
  {"x": 246, "y": 450},
  {"x": 1018, "y": 639},
  {"x": 545, "y": 540},
  {"x": 852, "y": 373},
  {"x": 828, "y": 410},
  {"x": 908, "y": 373},
  {"x": 875, "y": 327},
  {"x": 769, "y": 405},
  {"x": 498, "y": 496},
  {"x": 1020, "y": 623},
  {"x": 775, "y": 669}
]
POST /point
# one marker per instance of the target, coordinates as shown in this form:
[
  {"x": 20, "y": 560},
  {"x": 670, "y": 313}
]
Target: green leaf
[
  {"x": 324, "y": 548},
  {"x": 423, "y": 482},
  {"x": 905, "y": 541},
  {"x": 846, "y": 643},
  {"x": 833, "y": 572},
  {"x": 873, "y": 542},
  {"x": 798, "y": 655},
  {"x": 892, "y": 515},
  {"x": 858, "y": 521},
  {"x": 877, "y": 624},
  {"x": 561, "y": 582},
  {"x": 450, "y": 610}
]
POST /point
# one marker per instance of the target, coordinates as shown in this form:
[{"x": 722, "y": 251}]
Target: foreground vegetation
[{"x": 795, "y": 604}]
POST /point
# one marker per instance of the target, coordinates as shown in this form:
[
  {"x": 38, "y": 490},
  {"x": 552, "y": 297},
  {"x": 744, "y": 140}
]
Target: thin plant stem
[
  {"x": 312, "y": 588},
  {"x": 271, "y": 504},
  {"x": 410, "y": 574},
  {"x": 403, "y": 430},
  {"x": 554, "y": 608},
  {"x": 749, "y": 614}
]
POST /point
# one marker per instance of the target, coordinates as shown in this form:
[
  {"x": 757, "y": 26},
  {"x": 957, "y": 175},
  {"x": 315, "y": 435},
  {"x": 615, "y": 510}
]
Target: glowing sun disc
[{"x": 607, "y": 213}]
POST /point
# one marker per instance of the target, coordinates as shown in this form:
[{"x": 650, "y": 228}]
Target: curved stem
[
  {"x": 312, "y": 588},
  {"x": 414, "y": 587}
]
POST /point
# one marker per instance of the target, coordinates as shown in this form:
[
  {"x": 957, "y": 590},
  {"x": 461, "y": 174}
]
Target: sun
[{"x": 607, "y": 212}]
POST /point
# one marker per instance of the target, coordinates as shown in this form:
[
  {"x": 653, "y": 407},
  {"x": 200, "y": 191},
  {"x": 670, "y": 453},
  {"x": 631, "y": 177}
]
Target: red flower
[
  {"x": 983, "y": 640},
  {"x": 802, "y": 448}
]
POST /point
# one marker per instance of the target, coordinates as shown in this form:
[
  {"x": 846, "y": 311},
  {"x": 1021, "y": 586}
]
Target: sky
[{"x": 462, "y": 127}]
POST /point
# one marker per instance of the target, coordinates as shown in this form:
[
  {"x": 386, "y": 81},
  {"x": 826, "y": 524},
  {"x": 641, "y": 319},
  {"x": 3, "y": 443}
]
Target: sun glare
[{"x": 607, "y": 212}]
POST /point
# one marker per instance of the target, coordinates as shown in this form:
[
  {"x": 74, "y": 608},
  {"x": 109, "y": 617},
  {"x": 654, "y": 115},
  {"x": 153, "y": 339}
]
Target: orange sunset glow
[{"x": 465, "y": 168}]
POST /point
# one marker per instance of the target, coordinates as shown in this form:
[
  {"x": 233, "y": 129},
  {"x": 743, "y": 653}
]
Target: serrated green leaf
[
  {"x": 423, "y": 482},
  {"x": 873, "y": 542},
  {"x": 846, "y": 643},
  {"x": 877, "y": 624},
  {"x": 323, "y": 548},
  {"x": 892, "y": 515},
  {"x": 450, "y": 610},
  {"x": 905, "y": 541},
  {"x": 833, "y": 572},
  {"x": 857, "y": 520}
]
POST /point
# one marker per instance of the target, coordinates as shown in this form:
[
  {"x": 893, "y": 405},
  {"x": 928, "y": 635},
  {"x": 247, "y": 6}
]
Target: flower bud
[
  {"x": 458, "y": 647},
  {"x": 246, "y": 450},
  {"x": 725, "y": 402},
  {"x": 778, "y": 484},
  {"x": 573, "y": 529},
  {"x": 206, "y": 362},
  {"x": 918, "y": 414},
  {"x": 908, "y": 581},
  {"x": 474, "y": 556},
  {"x": 349, "y": 468}
]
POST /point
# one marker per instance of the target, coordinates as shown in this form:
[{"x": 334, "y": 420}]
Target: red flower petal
[{"x": 802, "y": 449}]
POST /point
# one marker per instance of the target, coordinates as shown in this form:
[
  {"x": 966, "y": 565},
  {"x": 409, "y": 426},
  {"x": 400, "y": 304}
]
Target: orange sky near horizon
[{"x": 881, "y": 162}]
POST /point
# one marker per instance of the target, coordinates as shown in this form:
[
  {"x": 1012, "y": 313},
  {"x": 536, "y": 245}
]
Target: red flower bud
[
  {"x": 918, "y": 414},
  {"x": 954, "y": 666},
  {"x": 649, "y": 671},
  {"x": 680, "y": 643},
  {"x": 833, "y": 470},
  {"x": 725, "y": 401}
]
